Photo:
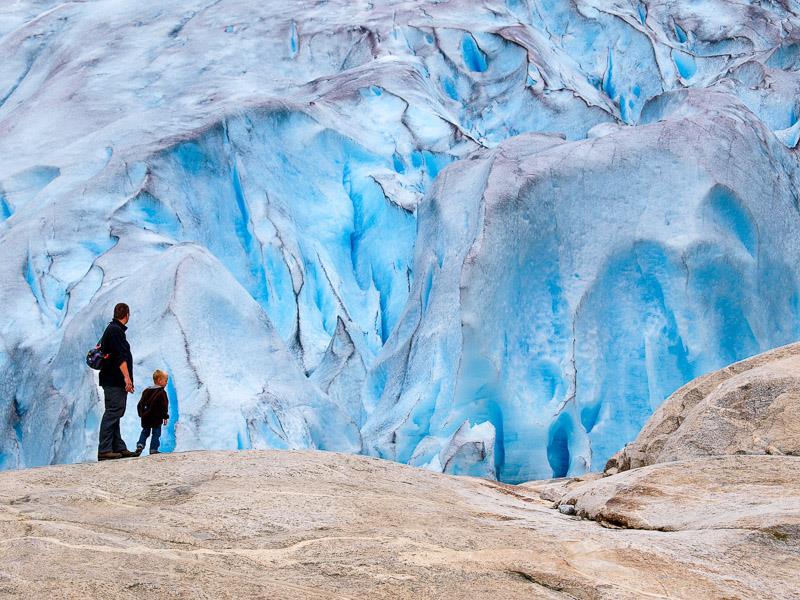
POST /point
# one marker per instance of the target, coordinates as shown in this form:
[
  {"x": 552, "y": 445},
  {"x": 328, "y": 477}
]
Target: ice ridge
[{"x": 484, "y": 237}]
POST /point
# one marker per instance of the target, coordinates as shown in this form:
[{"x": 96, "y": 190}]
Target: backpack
[{"x": 95, "y": 357}]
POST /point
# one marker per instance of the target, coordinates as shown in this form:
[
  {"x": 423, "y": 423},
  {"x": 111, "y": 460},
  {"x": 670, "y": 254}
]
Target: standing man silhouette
[{"x": 116, "y": 379}]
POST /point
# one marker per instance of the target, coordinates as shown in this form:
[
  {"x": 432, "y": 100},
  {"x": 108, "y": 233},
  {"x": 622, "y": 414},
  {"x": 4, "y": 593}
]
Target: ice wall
[
  {"x": 577, "y": 284},
  {"x": 268, "y": 187}
]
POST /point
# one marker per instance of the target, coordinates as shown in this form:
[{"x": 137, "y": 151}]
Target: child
[{"x": 153, "y": 408}]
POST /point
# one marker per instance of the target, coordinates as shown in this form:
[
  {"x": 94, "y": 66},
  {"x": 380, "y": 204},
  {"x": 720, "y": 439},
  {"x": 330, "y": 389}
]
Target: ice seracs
[
  {"x": 576, "y": 284},
  {"x": 488, "y": 237}
]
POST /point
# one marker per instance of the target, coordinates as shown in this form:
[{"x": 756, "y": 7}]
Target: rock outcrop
[
  {"x": 714, "y": 457},
  {"x": 758, "y": 493},
  {"x": 749, "y": 407},
  {"x": 304, "y": 525}
]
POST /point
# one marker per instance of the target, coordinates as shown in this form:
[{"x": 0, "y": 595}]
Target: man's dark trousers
[{"x": 116, "y": 399}]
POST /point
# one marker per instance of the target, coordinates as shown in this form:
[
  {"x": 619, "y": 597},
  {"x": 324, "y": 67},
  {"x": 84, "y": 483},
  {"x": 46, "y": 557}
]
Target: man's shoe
[
  {"x": 154, "y": 452},
  {"x": 108, "y": 455},
  {"x": 127, "y": 453},
  {"x": 139, "y": 449}
]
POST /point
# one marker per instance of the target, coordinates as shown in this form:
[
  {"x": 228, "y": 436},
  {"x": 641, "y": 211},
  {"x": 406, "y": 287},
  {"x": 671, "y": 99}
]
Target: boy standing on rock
[{"x": 153, "y": 408}]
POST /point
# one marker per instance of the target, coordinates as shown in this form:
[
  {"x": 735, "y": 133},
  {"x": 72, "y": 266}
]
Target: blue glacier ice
[{"x": 485, "y": 238}]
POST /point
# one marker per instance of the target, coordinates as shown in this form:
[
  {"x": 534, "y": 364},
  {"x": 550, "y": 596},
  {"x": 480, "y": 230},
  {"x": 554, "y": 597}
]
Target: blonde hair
[{"x": 158, "y": 375}]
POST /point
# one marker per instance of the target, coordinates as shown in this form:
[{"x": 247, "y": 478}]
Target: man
[{"x": 116, "y": 379}]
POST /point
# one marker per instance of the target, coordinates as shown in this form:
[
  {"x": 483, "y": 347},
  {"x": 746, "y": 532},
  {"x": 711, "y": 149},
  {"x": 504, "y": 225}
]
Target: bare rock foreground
[
  {"x": 317, "y": 525},
  {"x": 705, "y": 504}
]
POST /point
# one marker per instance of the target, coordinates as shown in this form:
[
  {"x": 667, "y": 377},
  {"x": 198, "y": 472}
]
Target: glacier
[{"x": 485, "y": 238}]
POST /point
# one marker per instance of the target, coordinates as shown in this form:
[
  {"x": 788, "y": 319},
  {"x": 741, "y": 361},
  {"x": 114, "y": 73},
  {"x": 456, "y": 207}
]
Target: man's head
[
  {"x": 160, "y": 378},
  {"x": 122, "y": 312}
]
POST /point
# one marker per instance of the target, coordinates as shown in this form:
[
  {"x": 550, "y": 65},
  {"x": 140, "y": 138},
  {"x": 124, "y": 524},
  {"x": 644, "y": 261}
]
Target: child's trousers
[{"x": 154, "y": 441}]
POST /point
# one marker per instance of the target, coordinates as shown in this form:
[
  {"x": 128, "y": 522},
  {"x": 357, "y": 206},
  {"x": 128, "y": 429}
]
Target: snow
[{"x": 487, "y": 238}]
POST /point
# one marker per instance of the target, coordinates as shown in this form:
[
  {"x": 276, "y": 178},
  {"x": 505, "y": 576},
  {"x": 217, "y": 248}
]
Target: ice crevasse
[{"x": 483, "y": 238}]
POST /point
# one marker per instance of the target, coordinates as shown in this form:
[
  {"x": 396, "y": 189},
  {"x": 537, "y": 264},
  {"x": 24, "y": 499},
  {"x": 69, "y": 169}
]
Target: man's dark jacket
[{"x": 115, "y": 344}]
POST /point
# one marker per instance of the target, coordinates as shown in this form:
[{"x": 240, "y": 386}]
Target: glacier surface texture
[{"x": 483, "y": 237}]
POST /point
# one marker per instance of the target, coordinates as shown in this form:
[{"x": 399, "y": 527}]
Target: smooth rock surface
[
  {"x": 722, "y": 492},
  {"x": 323, "y": 525},
  {"x": 749, "y": 407}
]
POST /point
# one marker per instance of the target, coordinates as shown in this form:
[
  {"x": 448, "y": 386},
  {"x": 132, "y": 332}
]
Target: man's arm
[
  {"x": 127, "y": 376},
  {"x": 117, "y": 351}
]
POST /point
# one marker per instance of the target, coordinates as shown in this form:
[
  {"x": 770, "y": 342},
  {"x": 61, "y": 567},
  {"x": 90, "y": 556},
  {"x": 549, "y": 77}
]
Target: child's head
[{"x": 160, "y": 378}]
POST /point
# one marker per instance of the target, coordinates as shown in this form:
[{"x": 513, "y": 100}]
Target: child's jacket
[{"x": 153, "y": 406}]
